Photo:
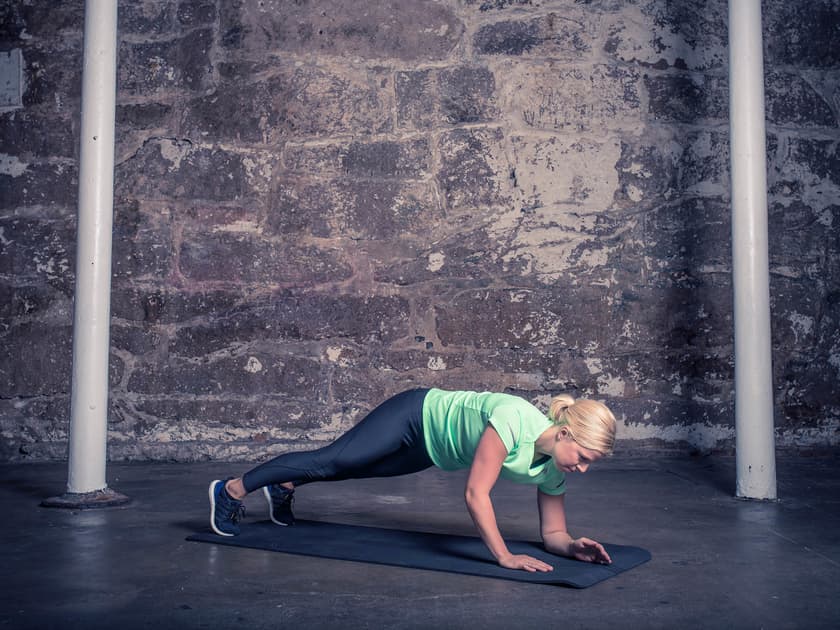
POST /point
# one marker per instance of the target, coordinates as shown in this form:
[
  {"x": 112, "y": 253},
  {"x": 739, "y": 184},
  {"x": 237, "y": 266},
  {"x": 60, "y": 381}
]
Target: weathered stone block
[
  {"x": 799, "y": 243},
  {"x": 37, "y": 183},
  {"x": 422, "y": 362},
  {"x": 703, "y": 165},
  {"x": 464, "y": 254},
  {"x": 568, "y": 34},
  {"x": 36, "y": 360},
  {"x": 135, "y": 123},
  {"x": 196, "y": 12},
  {"x": 552, "y": 369},
  {"x": 358, "y": 385},
  {"x": 511, "y": 318},
  {"x": 26, "y": 134},
  {"x": 422, "y": 30},
  {"x": 560, "y": 243},
  {"x": 32, "y": 300},
  {"x": 809, "y": 166},
  {"x": 142, "y": 246},
  {"x": 474, "y": 170},
  {"x": 222, "y": 216},
  {"x": 675, "y": 34},
  {"x": 299, "y": 207},
  {"x": 299, "y": 102},
  {"x": 460, "y": 94},
  {"x": 187, "y": 430},
  {"x": 249, "y": 258},
  {"x": 371, "y": 319},
  {"x": 797, "y": 309},
  {"x": 172, "y": 169},
  {"x": 828, "y": 326},
  {"x": 687, "y": 98},
  {"x": 34, "y": 428},
  {"x": 261, "y": 421},
  {"x": 366, "y": 210},
  {"x": 666, "y": 163},
  {"x": 647, "y": 172},
  {"x": 791, "y": 100},
  {"x": 40, "y": 19},
  {"x": 467, "y": 95},
  {"x": 167, "y": 305},
  {"x": 795, "y": 36},
  {"x": 42, "y": 250},
  {"x": 146, "y": 18},
  {"x": 52, "y": 75},
  {"x": 677, "y": 317},
  {"x": 699, "y": 375},
  {"x": 417, "y": 104},
  {"x": 183, "y": 63},
  {"x": 134, "y": 340},
  {"x": 559, "y": 171},
  {"x": 808, "y": 396},
  {"x": 553, "y": 96},
  {"x": 498, "y": 5},
  {"x": 360, "y": 390},
  {"x": 697, "y": 426},
  {"x": 685, "y": 237},
  {"x": 507, "y": 38},
  {"x": 257, "y": 373},
  {"x": 384, "y": 158}
]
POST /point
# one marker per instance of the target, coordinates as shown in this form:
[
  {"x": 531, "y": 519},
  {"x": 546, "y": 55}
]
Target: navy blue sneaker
[
  {"x": 280, "y": 502},
  {"x": 225, "y": 511}
]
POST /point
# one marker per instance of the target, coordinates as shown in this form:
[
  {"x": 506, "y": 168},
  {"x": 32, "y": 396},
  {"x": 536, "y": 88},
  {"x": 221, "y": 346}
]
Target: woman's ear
[{"x": 562, "y": 434}]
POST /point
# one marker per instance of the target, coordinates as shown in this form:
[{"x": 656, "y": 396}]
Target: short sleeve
[
  {"x": 554, "y": 486},
  {"x": 507, "y": 425}
]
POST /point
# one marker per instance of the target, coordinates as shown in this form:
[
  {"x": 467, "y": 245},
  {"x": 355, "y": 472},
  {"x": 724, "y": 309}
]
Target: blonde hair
[{"x": 590, "y": 423}]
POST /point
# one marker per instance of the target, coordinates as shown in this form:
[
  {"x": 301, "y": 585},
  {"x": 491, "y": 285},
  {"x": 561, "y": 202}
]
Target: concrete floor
[{"x": 717, "y": 562}]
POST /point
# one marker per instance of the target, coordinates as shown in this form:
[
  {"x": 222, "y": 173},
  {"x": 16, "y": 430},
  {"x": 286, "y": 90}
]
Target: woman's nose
[{"x": 582, "y": 467}]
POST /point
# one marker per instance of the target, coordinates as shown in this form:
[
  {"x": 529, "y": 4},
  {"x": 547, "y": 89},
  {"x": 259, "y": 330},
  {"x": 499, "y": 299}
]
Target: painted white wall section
[
  {"x": 754, "y": 440},
  {"x": 89, "y": 406}
]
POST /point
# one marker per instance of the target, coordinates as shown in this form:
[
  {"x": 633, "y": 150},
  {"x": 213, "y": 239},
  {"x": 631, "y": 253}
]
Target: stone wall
[{"x": 319, "y": 204}]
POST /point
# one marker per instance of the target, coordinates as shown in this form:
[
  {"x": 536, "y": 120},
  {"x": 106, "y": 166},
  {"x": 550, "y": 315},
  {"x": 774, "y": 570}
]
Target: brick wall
[{"x": 319, "y": 204}]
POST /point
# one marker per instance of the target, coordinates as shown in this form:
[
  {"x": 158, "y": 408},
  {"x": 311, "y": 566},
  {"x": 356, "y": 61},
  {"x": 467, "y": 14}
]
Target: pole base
[{"x": 104, "y": 498}]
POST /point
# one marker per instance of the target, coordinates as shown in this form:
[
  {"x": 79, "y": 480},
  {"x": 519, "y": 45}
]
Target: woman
[{"x": 491, "y": 434}]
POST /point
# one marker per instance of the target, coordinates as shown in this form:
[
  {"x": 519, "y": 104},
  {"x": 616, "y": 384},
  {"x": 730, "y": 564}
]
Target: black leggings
[{"x": 385, "y": 443}]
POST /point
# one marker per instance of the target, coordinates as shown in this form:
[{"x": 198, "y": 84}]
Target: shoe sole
[
  {"x": 213, "y": 509},
  {"x": 271, "y": 508}
]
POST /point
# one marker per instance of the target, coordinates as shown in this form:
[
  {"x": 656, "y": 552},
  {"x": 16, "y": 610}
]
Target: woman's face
[{"x": 569, "y": 456}]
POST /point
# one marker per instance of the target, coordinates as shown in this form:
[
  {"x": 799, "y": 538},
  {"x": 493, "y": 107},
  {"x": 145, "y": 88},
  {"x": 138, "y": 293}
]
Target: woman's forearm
[
  {"x": 558, "y": 543},
  {"x": 481, "y": 510}
]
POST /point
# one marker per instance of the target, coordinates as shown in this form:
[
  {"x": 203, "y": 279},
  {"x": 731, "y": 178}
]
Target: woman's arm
[
  {"x": 555, "y": 537},
  {"x": 484, "y": 471}
]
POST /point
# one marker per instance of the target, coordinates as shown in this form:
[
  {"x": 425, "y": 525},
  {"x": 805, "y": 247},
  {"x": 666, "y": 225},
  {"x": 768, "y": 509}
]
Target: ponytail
[{"x": 590, "y": 423}]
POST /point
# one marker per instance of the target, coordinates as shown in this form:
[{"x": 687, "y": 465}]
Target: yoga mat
[{"x": 419, "y": 550}]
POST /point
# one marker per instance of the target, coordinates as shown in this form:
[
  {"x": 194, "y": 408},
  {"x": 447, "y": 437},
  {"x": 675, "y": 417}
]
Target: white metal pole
[
  {"x": 89, "y": 406},
  {"x": 754, "y": 433}
]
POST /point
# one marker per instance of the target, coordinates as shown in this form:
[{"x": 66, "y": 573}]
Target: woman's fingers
[
  {"x": 525, "y": 563},
  {"x": 592, "y": 551},
  {"x": 533, "y": 565}
]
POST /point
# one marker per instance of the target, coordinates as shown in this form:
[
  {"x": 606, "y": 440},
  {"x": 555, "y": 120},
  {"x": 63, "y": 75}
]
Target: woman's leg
[{"x": 387, "y": 442}]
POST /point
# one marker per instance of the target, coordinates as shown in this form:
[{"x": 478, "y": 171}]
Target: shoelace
[{"x": 282, "y": 497}]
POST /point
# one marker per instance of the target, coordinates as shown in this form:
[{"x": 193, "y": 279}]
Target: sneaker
[
  {"x": 225, "y": 511},
  {"x": 280, "y": 502}
]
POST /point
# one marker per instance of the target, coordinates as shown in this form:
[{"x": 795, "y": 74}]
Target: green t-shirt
[{"x": 454, "y": 421}]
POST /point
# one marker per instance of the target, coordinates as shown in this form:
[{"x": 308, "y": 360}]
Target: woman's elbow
[{"x": 474, "y": 495}]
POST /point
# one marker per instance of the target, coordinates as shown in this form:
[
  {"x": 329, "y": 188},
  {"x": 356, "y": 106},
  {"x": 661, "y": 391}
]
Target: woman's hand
[
  {"x": 588, "y": 550},
  {"x": 525, "y": 563}
]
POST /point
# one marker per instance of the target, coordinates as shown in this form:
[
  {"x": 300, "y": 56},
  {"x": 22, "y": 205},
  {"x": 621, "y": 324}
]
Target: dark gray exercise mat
[{"x": 419, "y": 550}]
